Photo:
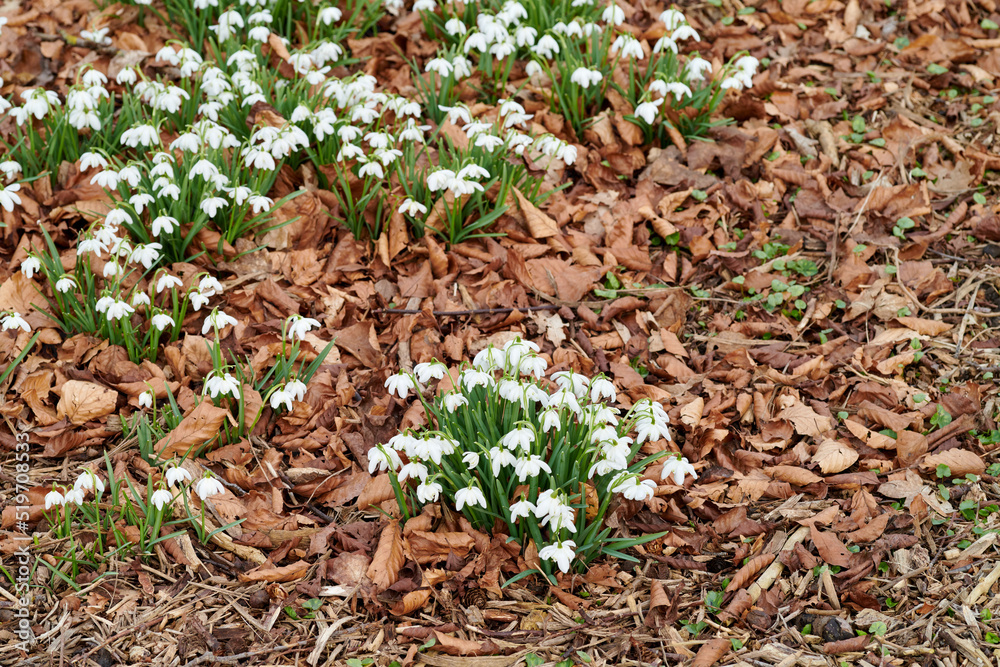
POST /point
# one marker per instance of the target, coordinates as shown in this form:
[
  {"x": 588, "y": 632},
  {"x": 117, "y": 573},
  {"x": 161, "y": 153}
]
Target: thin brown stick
[{"x": 462, "y": 313}]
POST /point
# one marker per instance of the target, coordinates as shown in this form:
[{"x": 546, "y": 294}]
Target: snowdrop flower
[
  {"x": 455, "y": 26},
  {"x": 629, "y": 47},
  {"x": 126, "y": 76},
  {"x": 672, "y": 19},
  {"x": 65, "y": 284},
  {"x": 10, "y": 168},
  {"x": 697, "y": 68},
  {"x": 141, "y": 201},
  {"x": 371, "y": 169},
  {"x": 13, "y": 320},
  {"x": 530, "y": 467},
  {"x": 677, "y": 467},
  {"x": 519, "y": 437},
  {"x": 570, "y": 381},
  {"x": 140, "y": 299},
  {"x": 412, "y": 208},
  {"x": 532, "y": 68},
  {"x": 30, "y": 266},
  {"x": 685, "y": 32},
  {"x": 613, "y": 14},
  {"x": 439, "y": 179},
  {"x": 53, "y": 497},
  {"x": 74, "y": 495},
  {"x": 167, "y": 281},
  {"x": 383, "y": 458},
  {"x": 564, "y": 398},
  {"x": 206, "y": 487},
  {"x": 279, "y": 398},
  {"x": 471, "y": 496},
  {"x": 217, "y": 319},
  {"x": 547, "y": 47},
  {"x": 453, "y": 401},
  {"x": 607, "y": 465},
  {"x": 329, "y": 15},
  {"x": 532, "y": 365},
  {"x": 221, "y": 385},
  {"x": 299, "y": 326},
  {"x": 141, "y": 135},
  {"x": 550, "y": 420},
  {"x": 633, "y": 489},
  {"x": 647, "y": 111},
  {"x": 88, "y": 481},
  {"x": 602, "y": 388},
  {"x": 521, "y": 509},
  {"x": 471, "y": 379},
  {"x": 161, "y": 321},
  {"x": 413, "y": 469},
  {"x": 584, "y": 77},
  {"x": 212, "y": 205},
  {"x": 106, "y": 179},
  {"x": 210, "y": 286},
  {"x": 296, "y": 389},
  {"x": 197, "y": 300},
  {"x": 489, "y": 358},
  {"x": 471, "y": 460},
  {"x": 432, "y": 448},
  {"x": 146, "y": 254},
  {"x": 457, "y": 113},
  {"x": 665, "y": 44},
  {"x": 427, "y": 371},
  {"x": 501, "y": 458},
  {"x": 561, "y": 553},
  {"x": 177, "y": 475},
  {"x": 439, "y": 66},
  {"x": 119, "y": 310},
  {"x": 260, "y": 203},
  {"x": 160, "y": 498},
  {"x": 146, "y": 399},
  {"x": 400, "y": 384},
  {"x": 428, "y": 492}
]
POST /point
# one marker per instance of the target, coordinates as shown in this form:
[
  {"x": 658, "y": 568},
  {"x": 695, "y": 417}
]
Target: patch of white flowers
[{"x": 511, "y": 439}]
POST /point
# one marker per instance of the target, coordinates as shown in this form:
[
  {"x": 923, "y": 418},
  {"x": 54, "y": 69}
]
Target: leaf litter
[{"x": 829, "y": 369}]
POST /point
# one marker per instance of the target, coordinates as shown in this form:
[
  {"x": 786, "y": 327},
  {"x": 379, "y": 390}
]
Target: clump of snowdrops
[
  {"x": 91, "y": 516},
  {"x": 538, "y": 457}
]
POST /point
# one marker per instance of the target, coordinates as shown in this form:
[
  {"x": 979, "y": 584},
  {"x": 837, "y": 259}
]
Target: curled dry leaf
[
  {"x": 961, "y": 462},
  {"x": 290, "y": 572},
  {"x": 427, "y": 547},
  {"x": 793, "y": 475},
  {"x": 200, "y": 427},
  {"x": 834, "y": 456},
  {"x": 388, "y": 557},
  {"x": 869, "y": 437},
  {"x": 377, "y": 491},
  {"x": 749, "y": 571},
  {"x": 82, "y": 402},
  {"x": 692, "y": 412},
  {"x": 711, "y": 652}
]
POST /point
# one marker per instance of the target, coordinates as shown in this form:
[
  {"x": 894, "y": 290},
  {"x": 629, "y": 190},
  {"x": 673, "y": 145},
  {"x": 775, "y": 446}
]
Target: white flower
[
  {"x": 471, "y": 379},
  {"x": 65, "y": 284},
  {"x": 210, "y": 286},
  {"x": 176, "y": 475},
  {"x": 299, "y": 326},
  {"x": 146, "y": 399},
  {"x": 523, "y": 508},
  {"x": 30, "y": 266},
  {"x": 613, "y": 14},
  {"x": 629, "y": 486},
  {"x": 561, "y": 553},
  {"x": 88, "y": 481},
  {"x": 74, "y": 496},
  {"x": 146, "y": 254},
  {"x": 296, "y": 389},
  {"x": 412, "y": 208},
  {"x": 685, "y": 32},
  {"x": 606, "y": 466},
  {"x": 206, "y": 487},
  {"x": 414, "y": 469},
  {"x": 118, "y": 310},
  {"x": 167, "y": 281},
  {"x": 629, "y": 47},
  {"x": 89, "y": 160},
  {"x": 696, "y": 69},
  {"x": 574, "y": 382},
  {"x": 453, "y": 401},
  {"x": 197, "y": 300},
  {"x": 329, "y": 15},
  {"x": 427, "y": 371},
  {"x": 519, "y": 437},
  {"x": 10, "y": 168},
  {"x": 547, "y": 503},
  {"x": 160, "y": 498},
  {"x": 677, "y": 467},
  {"x": 218, "y": 385},
  {"x": 400, "y": 384},
  {"x": 279, "y": 398},
  {"x": 602, "y": 388},
  {"x": 501, "y": 458},
  {"x": 14, "y": 320},
  {"x": 671, "y": 19},
  {"x": 565, "y": 398},
  {"x": 530, "y": 467},
  {"x": 489, "y": 358},
  {"x": 432, "y": 448},
  {"x": 213, "y": 205},
  {"x": 550, "y": 420},
  {"x": 471, "y": 460},
  {"x": 53, "y": 498},
  {"x": 471, "y": 495},
  {"x": 648, "y": 110},
  {"x": 217, "y": 319},
  {"x": 161, "y": 321},
  {"x": 532, "y": 365},
  {"x": 428, "y": 492},
  {"x": 383, "y": 458}
]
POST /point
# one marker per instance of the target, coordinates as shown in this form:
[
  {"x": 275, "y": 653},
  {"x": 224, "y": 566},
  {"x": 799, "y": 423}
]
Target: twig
[
  {"x": 472, "y": 311},
  {"x": 208, "y": 657}
]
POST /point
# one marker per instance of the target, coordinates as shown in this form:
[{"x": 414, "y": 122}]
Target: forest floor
[{"x": 811, "y": 291}]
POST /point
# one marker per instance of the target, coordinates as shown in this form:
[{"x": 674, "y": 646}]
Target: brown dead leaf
[
  {"x": 834, "y": 456},
  {"x": 291, "y": 572},
  {"x": 711, "y": 652},
  {"x": 830, "y": 548},
  {"x": 200, "y": 427},
  {"x": 388, "y": 557},
  {"x": 869, "y": 437},
  {"x": 82, "y": 402},
  {"x": 805, "y": 420},
  {"x": 539, "y": 224},
  {"x": 961, "y": 462}
]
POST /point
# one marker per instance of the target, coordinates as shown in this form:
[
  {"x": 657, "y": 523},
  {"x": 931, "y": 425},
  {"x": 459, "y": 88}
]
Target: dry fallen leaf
[
  {"x": 82, "y": 402},
  {"x": 200, "y": 427}
]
